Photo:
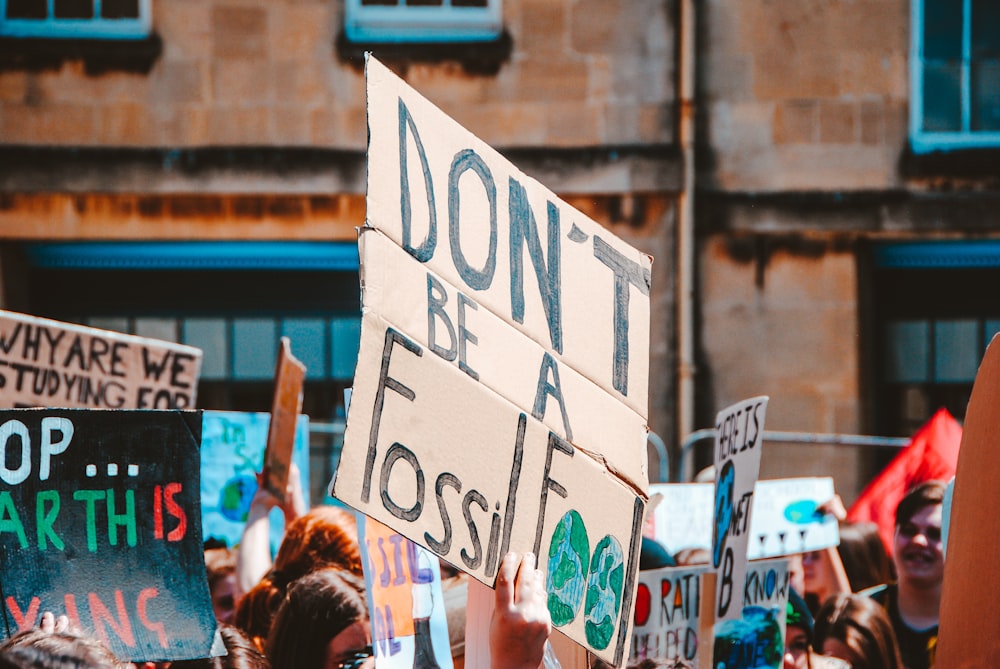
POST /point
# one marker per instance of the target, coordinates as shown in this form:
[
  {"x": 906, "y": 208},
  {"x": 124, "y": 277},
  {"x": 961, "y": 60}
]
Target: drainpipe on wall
[{"x": 685, "y": 227}]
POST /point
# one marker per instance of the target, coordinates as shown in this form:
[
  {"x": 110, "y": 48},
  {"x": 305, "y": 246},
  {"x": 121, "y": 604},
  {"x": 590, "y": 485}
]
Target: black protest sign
[
  {"x": 100, "y": 520},
  {"x": 46, "y": 363}
]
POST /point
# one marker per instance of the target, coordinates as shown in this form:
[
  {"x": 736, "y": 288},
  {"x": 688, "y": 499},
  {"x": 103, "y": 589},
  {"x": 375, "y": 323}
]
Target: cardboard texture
[
  {"x": 969, "y": 631},
  {"x": 403, "y": 587},
  {"x": 491, "y": 479},
  {"x": 500, "y": 397},
  {"x": 473, "y": 218},
  {"x": 415, "y": 300},
  {"x": 101, "y": 522},
  {"x": 52, "y": 364},
  {"x": 738, "y": 444},
  {"x": 232, "y": 452},
  {"x": 666, "y": 615},
  {"x": 285, "y": 409}
]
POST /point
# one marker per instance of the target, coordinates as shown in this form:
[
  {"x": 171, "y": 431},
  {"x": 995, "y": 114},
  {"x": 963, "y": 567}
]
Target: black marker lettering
[
  {"x": 399, "y": 452},
  {"x": 473, "y": 497},
  {"x": 392, "y": 337},
  {"x": 524, "y": 230},
  {"x": 466, "y": 160},
  {"x": 442, "y": 547},
  {"x": 626, "y": 272},
  {"x": 555, "y": 443},
  {"x": 425, "y": 251}
]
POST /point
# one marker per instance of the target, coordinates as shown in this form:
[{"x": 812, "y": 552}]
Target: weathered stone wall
[{"x": 267, "y": 72}]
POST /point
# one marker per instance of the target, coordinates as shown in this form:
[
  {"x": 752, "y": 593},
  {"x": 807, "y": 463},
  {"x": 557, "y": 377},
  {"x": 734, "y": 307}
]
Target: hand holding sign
[{"x": 521, "y": 622}]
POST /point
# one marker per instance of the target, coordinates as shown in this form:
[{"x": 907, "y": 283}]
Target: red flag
[{"x": 931, "y": 454}]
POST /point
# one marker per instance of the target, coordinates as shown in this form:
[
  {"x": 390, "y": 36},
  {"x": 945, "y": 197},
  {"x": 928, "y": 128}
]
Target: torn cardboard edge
[
  {"x": 412, "y": 298},
  {"x": 607, "y": 279}
]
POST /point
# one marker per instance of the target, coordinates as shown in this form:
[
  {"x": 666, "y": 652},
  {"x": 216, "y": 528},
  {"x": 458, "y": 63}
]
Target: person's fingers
[
  {"x": 62, "y": 624},
  {"x": 48, "y": 624},
  {"x": 524, "y": 583},
  {"x": 505, "y": 581}
]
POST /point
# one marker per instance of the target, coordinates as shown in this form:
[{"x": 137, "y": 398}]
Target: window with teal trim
[
  {"x": 955, "y": 74},
  {"x": 414, "y": 21},
  {"x": 76, "y": 19}
]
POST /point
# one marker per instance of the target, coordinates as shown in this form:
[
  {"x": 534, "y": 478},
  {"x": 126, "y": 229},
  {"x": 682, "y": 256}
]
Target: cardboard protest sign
[
  {"x": 285, "y": 410},
  {"x": 666, "y": 615},
  {"x": 738, "y": 443},
  {"x": 403, "y": 581},
  {"x": 683, "y": 518},
  {"x": 755, "y": 638},
  {"x": 969, "y": 632},
  {"x": 785, "y": 517},
  {"x": 100, "y": 521},
  {"x": 472, "y": 489},
  {"x": 232, "y": 452},
  {"x": 503, "y": 373},
  {"x": 52, "y": 364}
]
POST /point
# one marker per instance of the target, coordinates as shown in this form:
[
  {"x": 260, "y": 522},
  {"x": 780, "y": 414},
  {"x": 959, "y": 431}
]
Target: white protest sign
[
  {"x": 46, "y": 363},
  {"x": 785, "y": 517},
  {"x": 666, "y": 615},
  {"x": 755, "y": 637},
  {"x": 683, "y": 518},
  {"x": 496, "y": 405},
  {"x": 738, "y": 439}
]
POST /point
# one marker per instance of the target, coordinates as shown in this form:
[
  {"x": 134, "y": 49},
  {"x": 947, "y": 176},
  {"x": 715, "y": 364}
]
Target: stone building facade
[{"x": 845, "y": 191}]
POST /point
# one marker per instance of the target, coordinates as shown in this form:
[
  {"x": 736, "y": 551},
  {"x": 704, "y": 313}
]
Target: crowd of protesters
[{"x": 856, "y": 606}]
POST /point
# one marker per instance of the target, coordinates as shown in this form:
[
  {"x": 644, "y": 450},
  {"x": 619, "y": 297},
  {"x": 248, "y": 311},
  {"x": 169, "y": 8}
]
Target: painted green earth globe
[{"x": 569, "y": 561}]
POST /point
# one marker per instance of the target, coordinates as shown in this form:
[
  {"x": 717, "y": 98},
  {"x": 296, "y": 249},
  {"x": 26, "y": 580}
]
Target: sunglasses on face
[{"x": 356, "y": 658}]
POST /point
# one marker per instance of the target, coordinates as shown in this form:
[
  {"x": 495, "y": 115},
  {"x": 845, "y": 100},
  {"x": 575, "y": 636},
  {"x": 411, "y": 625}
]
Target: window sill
[
  {"x": 476, "y": 58},
  {"x": 98, "y": 55},
  {"x": 958, "y": 163}
]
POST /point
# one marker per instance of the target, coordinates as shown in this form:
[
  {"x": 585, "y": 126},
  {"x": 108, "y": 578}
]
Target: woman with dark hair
[
  {"x": 327, "y": 536},
  {"x": 322, "y": 623},
  {"x": 864, "y": 556},
  {"x": 856, "y": 629}
]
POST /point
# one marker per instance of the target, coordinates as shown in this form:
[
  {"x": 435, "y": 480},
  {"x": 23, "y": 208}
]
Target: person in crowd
[
  {"x": 863, "y": 553},
  {"x": 799, "y": 652},
  {"x": 46, "y": 647},
  {"x": 688, "y": 557},
  {"x": 241, "y": 653},
  {"x": 220, "y": 566},
  {"x": 855, "y": 629},
  {"x": 322, "y": 622},
  {"x": 913, "y": 601},
  {"x": 654, "y": 555},
  {"x": 254, "y": 557},
  {"x": 327, "y": 536}
]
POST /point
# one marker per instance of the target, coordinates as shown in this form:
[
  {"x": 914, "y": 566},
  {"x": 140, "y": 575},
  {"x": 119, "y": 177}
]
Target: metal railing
[{"x": 808, "y": 438}]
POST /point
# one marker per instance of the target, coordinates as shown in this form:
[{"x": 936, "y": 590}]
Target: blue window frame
[
  {"x": 416, "y": 21},
  {"x": 955, "y": 74},
  {"x": 76, "y": 19}
]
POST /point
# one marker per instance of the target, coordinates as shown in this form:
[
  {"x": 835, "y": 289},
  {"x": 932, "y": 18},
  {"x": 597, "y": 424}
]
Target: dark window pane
[
  {"x": 392, "y": 3},
  {"x": 942, "y": 97},
  {"x": 26, "y": 9},
  {"x": 985, "y": 28},
  {"x": 942, "y": 29},
  {"x": 120, "y": 9},
  {"x": 468, "y": 3},
  {"x": 74, "y": 9},
  {"x": 424, "y": 3},
  {"x": 986, "y": 95}
]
